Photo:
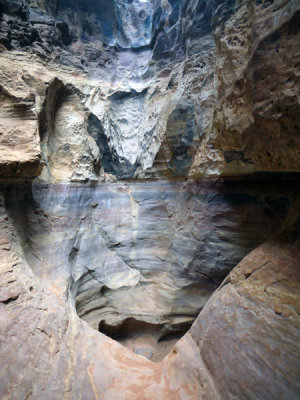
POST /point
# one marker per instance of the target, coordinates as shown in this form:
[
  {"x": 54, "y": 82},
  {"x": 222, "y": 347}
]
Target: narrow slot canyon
[{"x": 149, "y": 199}]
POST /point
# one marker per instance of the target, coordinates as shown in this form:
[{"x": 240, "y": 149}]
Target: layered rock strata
[
  {"x": 250, "y": 323},
  {"x": 109, "y": 112},
  {"x": 140, "y": 257}
]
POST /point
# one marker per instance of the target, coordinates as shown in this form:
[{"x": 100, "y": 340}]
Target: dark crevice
[
  {"x": 10, "y": 300},
  {"x": 153, "y": 341},
  {"x": 109, "y": 159},
  {"x": 247, "y": 275}
]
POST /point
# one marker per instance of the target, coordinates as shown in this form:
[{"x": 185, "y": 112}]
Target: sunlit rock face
[{"x": 200, "y": 82}]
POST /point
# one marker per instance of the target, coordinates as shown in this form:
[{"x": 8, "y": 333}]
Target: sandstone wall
[
  {"x": 216, "y": 94},
  {"x": 121, "y": 123}
]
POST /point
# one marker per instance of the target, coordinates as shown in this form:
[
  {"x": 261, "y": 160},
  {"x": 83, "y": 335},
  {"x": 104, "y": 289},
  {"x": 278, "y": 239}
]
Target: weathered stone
[
  {"x": 252, "y": 323},
  {"x": 254, "y": 310},
  {"x": 105, "y": 103},
  {"x": 173, "y": 101}
]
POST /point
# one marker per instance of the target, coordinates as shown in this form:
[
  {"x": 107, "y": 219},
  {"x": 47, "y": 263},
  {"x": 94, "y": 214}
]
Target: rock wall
[
  {"x": 147, "y": 150},
  {"x": 261, "y": 297},
  {"x": 114, "y": 244},
  {"x": 247, "y": 332},
  {"x": 165, "y": 89}
]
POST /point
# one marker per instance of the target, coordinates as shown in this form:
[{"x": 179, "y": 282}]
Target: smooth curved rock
[
  {"x": 113, "y": 246},
  {"x": 114, "y": 106},
  {"x": 250, "y": 324},
  {"x": 248, "y": 330}
]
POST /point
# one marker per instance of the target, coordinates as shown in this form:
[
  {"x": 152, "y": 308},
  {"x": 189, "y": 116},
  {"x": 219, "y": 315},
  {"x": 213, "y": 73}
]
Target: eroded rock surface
[
  {"x": 144, "y": 256},
  {"x": 173, "y": 89},
  {"x": 109, "y": 112},
  {"x": 57, "y": 353},
  {"x": 261, "y": 299}
]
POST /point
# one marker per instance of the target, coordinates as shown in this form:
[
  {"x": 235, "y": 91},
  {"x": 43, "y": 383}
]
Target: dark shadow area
[{"x": 153, "y": 341}]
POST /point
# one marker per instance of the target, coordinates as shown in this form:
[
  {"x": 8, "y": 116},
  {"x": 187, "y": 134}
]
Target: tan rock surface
[
  {"x": 99, "y": 91},
  {"x": 248, "y": 331},
  {"x": 229, "y": 105},
  {"x": 255, "y": 126},
  {"x": 19, "y": 133},
  {"x": 244, "y": 342}
]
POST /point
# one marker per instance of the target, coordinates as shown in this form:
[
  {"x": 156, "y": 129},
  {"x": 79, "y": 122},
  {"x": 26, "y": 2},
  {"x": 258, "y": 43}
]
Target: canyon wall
[
  {"x": 202, "y": 89},
  {"x": 149, "y": 180}
]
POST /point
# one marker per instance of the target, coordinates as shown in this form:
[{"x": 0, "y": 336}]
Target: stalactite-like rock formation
[{"x": 149, "y": 199}]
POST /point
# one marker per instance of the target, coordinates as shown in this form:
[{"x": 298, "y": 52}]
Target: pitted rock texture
[
  {"x": 173, "y": 89},
  {"x": 256, "y": 120}
]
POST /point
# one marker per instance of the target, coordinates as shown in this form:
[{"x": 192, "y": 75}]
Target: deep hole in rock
[
  {"x": 142, "y": 260},
  {"x": 152, "y": 335},
  {"x": 153, "y": 341}
]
